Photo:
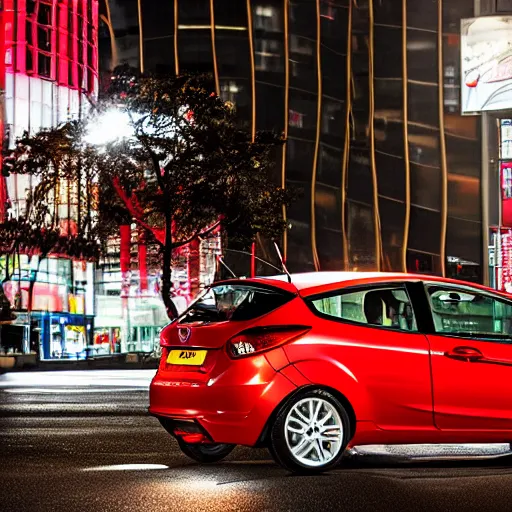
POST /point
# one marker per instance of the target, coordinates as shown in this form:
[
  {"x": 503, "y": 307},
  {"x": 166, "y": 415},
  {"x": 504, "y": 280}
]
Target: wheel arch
[{"x": 263, "y": 439}]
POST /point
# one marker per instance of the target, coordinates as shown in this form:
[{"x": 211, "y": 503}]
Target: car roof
[
  {"x": 313, "y": 283},
  {"x": 308, "y": 280}
]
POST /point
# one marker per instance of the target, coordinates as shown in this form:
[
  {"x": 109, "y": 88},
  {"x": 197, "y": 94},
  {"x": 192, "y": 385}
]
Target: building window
[
  {"x": 420, "y": 263},
  {"x": 44, "y": 40},
  {"x": 31, "y": 6},
  {"x": 503, "y": 5},
  {"x": 60, "y": 42},
  {"x": 296, "y": 119},
  {"x": 302, "y": 62},
  {"x": 300, "y": 45},
  {"x": 267, "y": 18},
  {"x": 331, "y": 117},
  {"x": 230, "y": 91},
  {"x": 44, "y": 65},
  {"x": 327, "y": 10},
  {"x": 39, "y": 29},
  {"x": 268, "y": 55}
]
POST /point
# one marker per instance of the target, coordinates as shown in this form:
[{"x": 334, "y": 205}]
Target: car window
[
  {"x": 385, "y": 307},
  {"x": 469, "y": 312},
  {"x": 234, "y": 302}
]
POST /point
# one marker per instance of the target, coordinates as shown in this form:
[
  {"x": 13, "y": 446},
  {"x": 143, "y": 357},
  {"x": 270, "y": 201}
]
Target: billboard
[{"x": 486, "y": 63}]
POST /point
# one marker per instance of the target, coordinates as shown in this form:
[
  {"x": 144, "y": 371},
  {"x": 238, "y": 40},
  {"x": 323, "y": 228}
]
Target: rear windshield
[{"x": 234, "y": 302}]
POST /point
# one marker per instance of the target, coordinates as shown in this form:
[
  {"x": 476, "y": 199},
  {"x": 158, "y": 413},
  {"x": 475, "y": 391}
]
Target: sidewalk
[{"x": 116, "y": 361}]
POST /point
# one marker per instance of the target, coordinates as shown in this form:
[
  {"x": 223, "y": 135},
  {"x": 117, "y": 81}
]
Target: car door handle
[{"x": 468, "y": 354}]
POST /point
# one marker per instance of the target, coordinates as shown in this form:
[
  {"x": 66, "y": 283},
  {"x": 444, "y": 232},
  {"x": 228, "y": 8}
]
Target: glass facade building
[
  {"x": 367, "y": 95},
  {"x": 48, "y": 75}
]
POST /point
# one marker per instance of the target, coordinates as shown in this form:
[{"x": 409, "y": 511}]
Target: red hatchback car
[{"x": 332, "y": 360}]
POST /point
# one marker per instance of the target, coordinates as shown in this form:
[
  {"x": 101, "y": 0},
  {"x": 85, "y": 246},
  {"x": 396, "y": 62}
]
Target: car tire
[
  {"x": 206, "y": 453},
  {"x": 307, "y": 440}
]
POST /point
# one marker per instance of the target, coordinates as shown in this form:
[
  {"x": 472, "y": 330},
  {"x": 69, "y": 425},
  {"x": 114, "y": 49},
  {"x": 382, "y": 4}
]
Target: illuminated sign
[
  {"x": 486, "y": 63},
  {"x": 506, "y": 194},
  {"x": 505, "y": 276},
  {"x": 506, "y": 139}
]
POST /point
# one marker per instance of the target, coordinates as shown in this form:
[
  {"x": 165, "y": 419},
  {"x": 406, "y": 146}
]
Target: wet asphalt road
[{"x": 82, "y": 441}]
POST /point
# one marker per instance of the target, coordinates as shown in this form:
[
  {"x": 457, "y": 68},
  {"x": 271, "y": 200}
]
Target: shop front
[
  {"x": 65, "y": 335},
  {"x": 128, "y": 325},
  {"x": 129, "y": 309},
  {"x": 60, "y": 323}
]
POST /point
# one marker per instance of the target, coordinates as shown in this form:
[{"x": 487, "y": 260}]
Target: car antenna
[
  {"x": 256, "y": 257},
  {"x": 282, "y": 262},
  {"x": 229, "y": 270}
]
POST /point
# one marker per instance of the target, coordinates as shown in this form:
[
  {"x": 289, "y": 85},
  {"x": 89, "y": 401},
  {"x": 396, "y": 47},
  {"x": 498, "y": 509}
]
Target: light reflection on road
[
  {"x": 128, "y": 467},
  {"x": 132, "y": 379}
]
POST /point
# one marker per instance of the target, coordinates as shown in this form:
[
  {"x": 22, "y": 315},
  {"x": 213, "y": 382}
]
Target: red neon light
[
  {"x": 143, "y": 263},
  {"x": 193, "y": 267},
  {"x": 6, "y": 17},
  {"x": 125, "y": 232},
  {"x": 72, "y": 28},
  {"x": 506, "y": 193},
  {"x": 505, "y": 280}
]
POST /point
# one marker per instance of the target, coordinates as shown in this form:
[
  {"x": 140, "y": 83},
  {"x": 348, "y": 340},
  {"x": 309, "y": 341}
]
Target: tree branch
[
  {"x": 159, "y": 234},
  {"x": 198, "y": 233}
]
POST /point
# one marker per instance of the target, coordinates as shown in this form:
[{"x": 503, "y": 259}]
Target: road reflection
[{"x": 81, "y": 378}]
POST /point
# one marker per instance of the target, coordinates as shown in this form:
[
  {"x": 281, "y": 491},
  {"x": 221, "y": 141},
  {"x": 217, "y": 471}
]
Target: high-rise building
[
  {"x": 48, "y": 75},
  {"x": 397, "y": 117},
  {"x": 367, "y": 94}
]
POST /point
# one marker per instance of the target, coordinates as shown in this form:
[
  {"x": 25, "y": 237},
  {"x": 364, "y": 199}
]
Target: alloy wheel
[{"x": 314, "y": 432}]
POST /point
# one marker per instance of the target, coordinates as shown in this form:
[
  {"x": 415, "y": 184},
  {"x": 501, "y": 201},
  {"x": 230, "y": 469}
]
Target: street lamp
[{"x": 109, "y": 126}]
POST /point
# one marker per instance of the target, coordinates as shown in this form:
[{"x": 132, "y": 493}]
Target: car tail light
[
  {"x": 256, "y": 340},
  {"x": 192, "y": 438}
]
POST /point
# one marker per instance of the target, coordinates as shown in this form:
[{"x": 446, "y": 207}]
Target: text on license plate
[{"x": 187, "y": 357}]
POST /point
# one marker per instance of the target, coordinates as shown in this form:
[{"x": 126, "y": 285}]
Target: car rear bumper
[{"x": 232, "y": 407}]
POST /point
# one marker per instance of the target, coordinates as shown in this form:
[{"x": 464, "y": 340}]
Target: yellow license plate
[{"x": 187, "y": 357}]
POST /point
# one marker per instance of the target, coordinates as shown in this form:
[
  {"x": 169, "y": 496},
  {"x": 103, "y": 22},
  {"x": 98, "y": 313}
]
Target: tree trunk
[
  {"x": 31, "y": 285},
  {"x": 7, "y": 276},
  {"x": 30, "y": 299},
  {"x": 170, "y": 307}
]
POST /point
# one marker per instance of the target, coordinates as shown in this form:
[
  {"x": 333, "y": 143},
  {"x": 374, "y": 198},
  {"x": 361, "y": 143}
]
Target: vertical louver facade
[{"x": 367, "y": 95}]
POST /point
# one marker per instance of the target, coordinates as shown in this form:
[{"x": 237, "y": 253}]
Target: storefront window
[
  {"x": 146, "y": 338},
  {"x": 107, "y": 340},
  {"x": 462, "y": 269},
  {"x": 143, "y": 339},
  {"x": 67, "y": 341}
]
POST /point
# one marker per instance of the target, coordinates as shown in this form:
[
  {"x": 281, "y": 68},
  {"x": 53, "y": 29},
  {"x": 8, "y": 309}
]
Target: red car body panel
[
  {"x": 471, "y": 396},
  {"x": 384, "y": 376},
  {"x": 232, "y": 402},
  {"x": 399, "y": 385}
]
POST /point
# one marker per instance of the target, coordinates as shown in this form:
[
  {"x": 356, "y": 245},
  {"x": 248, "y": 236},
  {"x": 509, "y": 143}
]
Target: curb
[{"x": 122, "y": 362}]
